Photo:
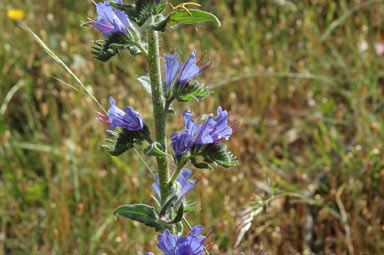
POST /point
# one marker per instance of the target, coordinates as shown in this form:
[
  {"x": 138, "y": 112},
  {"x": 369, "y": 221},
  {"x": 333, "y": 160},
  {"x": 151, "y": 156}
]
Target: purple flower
[
  {"x": 110, "y": 20},
  {"x": 172, "y": 67},
  {"x": 193, "y": 244},
  {"x": 181, "y": 74},
  {"x": 210, "y": 132},
  {"x": 181, "y": 143},
  {"x": 116, "y": 117},
  {"x": 183, "y": 179}
]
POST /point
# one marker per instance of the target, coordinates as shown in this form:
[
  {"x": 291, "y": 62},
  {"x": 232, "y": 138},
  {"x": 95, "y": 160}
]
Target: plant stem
[
  {"x": 180, "y": 166},
  {"x": 158, "y": 108}
]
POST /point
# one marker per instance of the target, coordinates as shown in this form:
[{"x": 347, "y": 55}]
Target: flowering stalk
[{"x": 158, "y": 103}]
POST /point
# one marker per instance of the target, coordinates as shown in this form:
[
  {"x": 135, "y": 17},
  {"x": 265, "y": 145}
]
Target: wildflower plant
[{"x": 136, "y": 28}]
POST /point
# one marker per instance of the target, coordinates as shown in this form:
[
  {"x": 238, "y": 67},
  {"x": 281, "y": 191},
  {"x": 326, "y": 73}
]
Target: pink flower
[{"x": 379, "y": 47}]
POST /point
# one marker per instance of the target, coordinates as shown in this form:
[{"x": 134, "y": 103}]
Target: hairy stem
[{"x": 158, "y": 108}]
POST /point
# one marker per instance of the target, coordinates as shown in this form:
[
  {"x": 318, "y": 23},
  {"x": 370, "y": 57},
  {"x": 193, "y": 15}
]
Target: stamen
[
  {"x": 235, "y": 125},
  {"x": 104, "y": 121},
  {"x": 101, "y": 114}
]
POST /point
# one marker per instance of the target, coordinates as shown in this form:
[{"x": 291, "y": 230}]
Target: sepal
[
  {"x": 141, "y": 11},
  {"x": 191, "y": 90},
  {"x": 218, "y": 153},
  {"x": 126, "y": 140},
  {"x": 142, "y": 213},
  {"x": 191, "y": 207},
  {"x": 201, "y": 165},
  {"x": 104, "y": 50}
]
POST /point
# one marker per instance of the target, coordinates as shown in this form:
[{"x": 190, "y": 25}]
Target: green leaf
[
  {"x": 146, "y": 83},
  {"x": 182, "y": 17},
  {"x": 179, "y": 215},
  {"x": 155, "y": 149},
  {"x": 141, "y": 213},
  {"x": 170, "y": 202}
]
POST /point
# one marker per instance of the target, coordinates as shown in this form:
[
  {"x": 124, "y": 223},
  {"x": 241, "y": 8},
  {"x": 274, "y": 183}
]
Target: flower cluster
[
  {"x": 116, "y": 117},
  {"x": 110, "y": 20},
  {"x": 196, "y": 135}
]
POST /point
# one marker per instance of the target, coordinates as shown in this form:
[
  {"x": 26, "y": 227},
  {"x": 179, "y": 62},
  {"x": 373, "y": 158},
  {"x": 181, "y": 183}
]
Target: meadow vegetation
[{"x": 301, "y": 76}]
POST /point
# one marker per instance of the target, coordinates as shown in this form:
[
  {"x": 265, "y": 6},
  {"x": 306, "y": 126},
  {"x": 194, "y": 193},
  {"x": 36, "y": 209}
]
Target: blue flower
[
  {"x": 183, "y": 179},
  {"x": 110, "y": 20},
  {"x": 182, "y": 74},
  {"x": 183, "y": 142},
  {"x": 193, "y": 244},
  {"x": 116, "y": 117},
  {"x": 172, "y": 67},
  {"x": 211, "y": 131}
]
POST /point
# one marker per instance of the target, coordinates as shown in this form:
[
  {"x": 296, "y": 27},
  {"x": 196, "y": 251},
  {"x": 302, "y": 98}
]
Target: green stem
[
  {"x": 158, "y": 108},
  {"x": 180, "y": 166},
  {"x": 175, "y": 175}
]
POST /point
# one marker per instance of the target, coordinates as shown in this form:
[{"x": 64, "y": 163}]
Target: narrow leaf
[
  {"x": 182, "y": 17},
  {"x": 141, "y": 213}
]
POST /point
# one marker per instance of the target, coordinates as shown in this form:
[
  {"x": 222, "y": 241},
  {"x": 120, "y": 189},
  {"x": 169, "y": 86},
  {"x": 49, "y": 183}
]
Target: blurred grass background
[{"x": 302, "y": 76}]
